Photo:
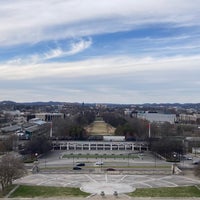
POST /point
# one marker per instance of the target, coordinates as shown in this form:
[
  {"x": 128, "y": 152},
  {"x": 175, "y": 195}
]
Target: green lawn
[
  {"x": 190, "y": 191},
  {"x": 43, "y": 191},
  {"x": 7, "y": 190},
  {"x": 99, "y": 156}
]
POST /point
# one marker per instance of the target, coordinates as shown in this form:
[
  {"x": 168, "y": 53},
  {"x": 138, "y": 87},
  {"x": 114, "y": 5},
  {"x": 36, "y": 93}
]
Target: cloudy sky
[{"x": 108, "y": 51}]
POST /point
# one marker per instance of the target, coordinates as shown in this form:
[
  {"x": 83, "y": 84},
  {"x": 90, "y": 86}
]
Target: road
[{"x": 58, "y": 158}]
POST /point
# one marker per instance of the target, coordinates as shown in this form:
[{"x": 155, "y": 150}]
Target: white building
[
  {"x": 158, "y": 117},
  {"x": 49, "y": 116}
]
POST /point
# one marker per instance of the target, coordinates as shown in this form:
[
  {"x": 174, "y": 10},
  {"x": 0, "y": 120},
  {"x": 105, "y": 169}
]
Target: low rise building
[
  {"x": 158, "y": 117},
  {"x": 48, "y": 117}
]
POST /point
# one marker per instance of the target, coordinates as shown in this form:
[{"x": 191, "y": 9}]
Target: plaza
[{"x": 96, "y": 183}]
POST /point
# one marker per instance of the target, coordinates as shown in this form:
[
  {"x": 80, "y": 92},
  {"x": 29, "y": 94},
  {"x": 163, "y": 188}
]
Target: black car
[
  {"x": 80, "y": 164},
  {"x": 77, "y": 168},
  {"x": 110, "y": 169}
]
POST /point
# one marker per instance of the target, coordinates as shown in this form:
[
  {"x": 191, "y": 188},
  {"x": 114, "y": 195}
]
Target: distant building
[
  {"x": 47, "y": 117},
  {"x": 158, "y": 117},
  {"x": 37, "y": 127},
  {"x": 189, "y": 118},
  {"x": 10, "y": 129},
  {"x": 114, "y": 138}
]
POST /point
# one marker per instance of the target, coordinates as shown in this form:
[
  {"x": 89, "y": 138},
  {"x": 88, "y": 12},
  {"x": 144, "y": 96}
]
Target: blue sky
[{"x": 116, "y": 51}]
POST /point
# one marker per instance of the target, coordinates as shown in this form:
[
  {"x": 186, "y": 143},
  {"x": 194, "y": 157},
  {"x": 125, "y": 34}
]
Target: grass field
[
  {"x": 7, "y": 190},
  {"x": 99, "y": 156},
  {"x": 43, "y": 191},
  {"x": 190, "y": 191},
  {"x": 99, "y": 127}
]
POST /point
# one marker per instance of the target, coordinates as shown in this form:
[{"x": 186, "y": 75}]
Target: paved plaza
[{"x": 95, "y": 183}]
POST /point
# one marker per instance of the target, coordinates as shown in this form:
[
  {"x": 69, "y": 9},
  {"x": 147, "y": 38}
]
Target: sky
[{"x": 116, "y": 51}]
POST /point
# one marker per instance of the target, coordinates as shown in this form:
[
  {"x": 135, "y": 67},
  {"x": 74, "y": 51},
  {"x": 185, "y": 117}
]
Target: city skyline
[{"x": 117, "y": 51}]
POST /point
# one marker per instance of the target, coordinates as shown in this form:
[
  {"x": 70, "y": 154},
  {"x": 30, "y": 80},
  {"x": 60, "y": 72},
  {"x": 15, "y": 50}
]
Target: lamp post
[
  {"x": 101, "y": 162},
  {"x": 73, "y": 159},
  {"x": 36, "y": 156},
  {"x": 128, "y": 159},
  {"x": 173, "y": 168}
]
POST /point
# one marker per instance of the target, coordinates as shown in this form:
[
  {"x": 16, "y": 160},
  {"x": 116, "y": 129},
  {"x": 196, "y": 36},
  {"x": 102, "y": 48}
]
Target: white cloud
[
  {"x": 54, "y": 53},
  {"x": 103, "y": 66},
  {"x": 75, "y": 48},
  {"x": 34, "y": 21},
  {"x": 79, "y": 46},
  {"x": 107, "y": 79}
]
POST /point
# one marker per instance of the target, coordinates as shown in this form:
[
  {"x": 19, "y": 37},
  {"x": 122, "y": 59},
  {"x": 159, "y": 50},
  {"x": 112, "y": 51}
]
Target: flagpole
[
  {"x": 51, "y": 131},
  {"x": 149, "y": 130}
]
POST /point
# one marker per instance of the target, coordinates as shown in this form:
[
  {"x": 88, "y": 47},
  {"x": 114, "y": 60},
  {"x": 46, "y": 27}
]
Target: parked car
[
  {"x": 77, "y": 168},
  {"x": 80, "y": 164},
  {"x": 187, "y": 157}
]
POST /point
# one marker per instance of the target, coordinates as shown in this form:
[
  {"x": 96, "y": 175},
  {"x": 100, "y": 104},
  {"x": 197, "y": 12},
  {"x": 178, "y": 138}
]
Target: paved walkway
[
  {"x": 98, "y": 197},
  {"x": 135, "y": 181},
  {"x": 96, "y": 183}
]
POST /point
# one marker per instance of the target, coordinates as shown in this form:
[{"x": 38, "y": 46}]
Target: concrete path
[
  {"x": 96, "y": 183},
  {"x": 98, "y": 197}
]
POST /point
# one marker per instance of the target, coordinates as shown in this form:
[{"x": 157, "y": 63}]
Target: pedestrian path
[{"x": 95, "y": 183}]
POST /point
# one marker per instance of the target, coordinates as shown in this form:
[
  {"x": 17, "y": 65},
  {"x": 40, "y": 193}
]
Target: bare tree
[{"x": 11, "y": 168}]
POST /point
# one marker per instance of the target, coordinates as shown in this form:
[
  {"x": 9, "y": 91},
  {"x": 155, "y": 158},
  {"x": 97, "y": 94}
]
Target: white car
[
  {"x": 99, "y": 163},
  {"x": 196, "y": 162}
]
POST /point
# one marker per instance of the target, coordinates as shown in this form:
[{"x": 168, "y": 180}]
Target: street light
[
  {"x": 128, "y": 158},
  {"x": 73, "y": 159},
  {"x": 155, "y": 159},
  {"x": 36, "y": 156},
  {"x": 173, "y": 168}
]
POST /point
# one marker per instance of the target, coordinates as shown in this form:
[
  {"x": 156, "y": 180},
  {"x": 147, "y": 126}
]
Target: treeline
[
  {"x": 72, "y": 128},
  {"x": 131, "y": 128}
]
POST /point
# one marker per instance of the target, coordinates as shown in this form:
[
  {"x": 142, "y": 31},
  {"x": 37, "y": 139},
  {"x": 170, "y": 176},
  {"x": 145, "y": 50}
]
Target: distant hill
[
  {"x": 145, "y": 105},
  {"x": 7, "y": 103},
  {"x": 31, "y": 103}
]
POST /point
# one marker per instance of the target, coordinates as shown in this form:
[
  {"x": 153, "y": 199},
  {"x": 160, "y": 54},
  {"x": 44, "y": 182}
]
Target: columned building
[{"x": 100, "y": 145}]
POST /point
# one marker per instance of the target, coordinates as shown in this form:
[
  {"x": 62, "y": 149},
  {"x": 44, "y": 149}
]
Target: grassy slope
[
  {"x": 190, "y": 191},
  {"x": 44, "y": 191}
]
